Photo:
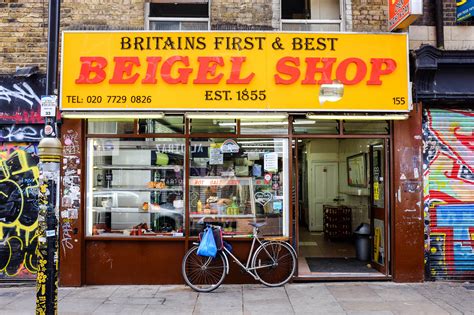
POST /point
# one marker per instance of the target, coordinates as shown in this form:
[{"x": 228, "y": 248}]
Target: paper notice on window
[
  {"x": 270, "y": 162},
  {"x": 216, "y": 157},
  {"x": 253, "y": 156}
]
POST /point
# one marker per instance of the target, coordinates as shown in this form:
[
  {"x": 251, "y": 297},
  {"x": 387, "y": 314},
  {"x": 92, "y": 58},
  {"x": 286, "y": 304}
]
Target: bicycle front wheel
[
  {"x": 274, "y": 263},
  {"x": 203, "y": 274}
]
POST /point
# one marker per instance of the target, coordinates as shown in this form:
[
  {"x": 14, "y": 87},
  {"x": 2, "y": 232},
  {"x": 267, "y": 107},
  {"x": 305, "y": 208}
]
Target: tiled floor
[{"x": 313, "y": 244}]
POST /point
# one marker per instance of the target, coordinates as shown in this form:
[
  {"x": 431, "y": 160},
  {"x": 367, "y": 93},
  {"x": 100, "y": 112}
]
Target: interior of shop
[{"x": 337, "y": 204}]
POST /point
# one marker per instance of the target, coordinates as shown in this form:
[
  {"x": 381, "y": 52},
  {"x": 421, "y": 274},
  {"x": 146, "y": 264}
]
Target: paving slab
[
  {"x": 297, "y": 298},
  {"x": 313, "y": 299},
  {"x": 356, "y": 292},
  {"x": 120, "y": 309},
  {"x": 142, "y": 291}
]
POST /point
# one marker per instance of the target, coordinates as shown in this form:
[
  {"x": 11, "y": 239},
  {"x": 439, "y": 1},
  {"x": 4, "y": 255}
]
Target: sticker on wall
[
  {"x": 263, "y": 197},
  {"x": 230, "y": 146},
  {"x": 267, "y": 178}
]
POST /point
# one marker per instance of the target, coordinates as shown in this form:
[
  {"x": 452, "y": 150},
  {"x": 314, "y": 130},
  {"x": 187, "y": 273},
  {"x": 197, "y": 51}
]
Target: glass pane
[
  {"x": 311, "y": 126},
  {"x": 168, "y": 124},
  {"x": 378, "y": 173},
  {"x": 194, "y": 26},
  {"x": 308, "y": 27},
  {"x": 237, "y": 181},
  {"x": 109, "y": 126},
  {"x": 248, "y": 127},
  {"x": 164, "y": 25},
  {"x": 380, "y": 127},
  {"x": 135, "y": 187},
  {"x": 213, "y": 126}
]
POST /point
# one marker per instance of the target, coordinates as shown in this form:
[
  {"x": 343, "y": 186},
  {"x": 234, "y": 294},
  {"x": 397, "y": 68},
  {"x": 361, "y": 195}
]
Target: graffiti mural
[
  {"x": 448, "y": 146},
  {"x": 18, "y": 210},
  {"x": 20, "y": 99},
  {"x": 21, "y": 133}
]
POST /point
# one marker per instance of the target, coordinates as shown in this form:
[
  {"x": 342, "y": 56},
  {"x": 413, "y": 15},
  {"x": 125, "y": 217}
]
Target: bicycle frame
[{"x": 247, "y": 267}]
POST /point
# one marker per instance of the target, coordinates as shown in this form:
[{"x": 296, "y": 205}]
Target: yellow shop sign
[{"x": 234, "y": 71}]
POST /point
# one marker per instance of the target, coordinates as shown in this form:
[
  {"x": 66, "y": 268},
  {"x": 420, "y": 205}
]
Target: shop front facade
[
  {"x": 448, "y": 123},
  {"x": 164, "y": 132}
]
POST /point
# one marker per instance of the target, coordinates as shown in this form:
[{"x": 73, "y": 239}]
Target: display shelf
[
  {"x": 216, "y": 216},
  {"x": 134, "y": 210},
  {"x": 137, "y": 167},
  {"x": 131, "y": 188}
]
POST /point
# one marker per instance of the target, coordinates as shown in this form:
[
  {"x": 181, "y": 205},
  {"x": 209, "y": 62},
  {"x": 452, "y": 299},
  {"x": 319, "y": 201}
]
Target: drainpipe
[{"x": 439, "y": 24}]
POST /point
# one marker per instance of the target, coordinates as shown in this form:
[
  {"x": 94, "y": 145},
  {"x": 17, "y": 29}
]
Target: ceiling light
[
  {"x": 267, "y": 123},
  {"x": 358, "y": 117},
  {"x": 214, "y": 115},
  {"x": 111, "y": 115}
]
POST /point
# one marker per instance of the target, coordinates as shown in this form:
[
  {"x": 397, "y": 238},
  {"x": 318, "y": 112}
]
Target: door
[
  {"x": 378, "y": 205},
  {"x": 323, "y": 189}
]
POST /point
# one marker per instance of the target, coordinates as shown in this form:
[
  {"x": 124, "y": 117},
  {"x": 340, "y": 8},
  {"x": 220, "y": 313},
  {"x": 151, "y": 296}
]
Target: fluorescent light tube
[
  {"x": 214, "y": 115},
  {"x": 111, "y": 115},
  {"x": 357, "y": 117}
]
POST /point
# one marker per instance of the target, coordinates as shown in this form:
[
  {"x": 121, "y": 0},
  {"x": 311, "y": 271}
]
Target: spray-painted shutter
[{"x": 448, "y": 137}]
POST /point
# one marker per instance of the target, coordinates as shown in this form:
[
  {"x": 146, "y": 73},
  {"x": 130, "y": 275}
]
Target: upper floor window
[
  {"x": 178, "y": 15},
  {"x": 312, "y": 15}
]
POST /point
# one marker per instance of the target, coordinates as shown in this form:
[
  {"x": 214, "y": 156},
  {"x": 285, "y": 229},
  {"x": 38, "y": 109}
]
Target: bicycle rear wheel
[
  {"x": 274, "y": 263},
  {"x": 203, "y": 274}
]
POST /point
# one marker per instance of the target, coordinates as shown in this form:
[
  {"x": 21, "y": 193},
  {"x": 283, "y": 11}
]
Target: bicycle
[{"x": 273, "y": 263}]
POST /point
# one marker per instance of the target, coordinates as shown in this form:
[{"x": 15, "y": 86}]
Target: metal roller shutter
[{"x": 448, "y": 138}]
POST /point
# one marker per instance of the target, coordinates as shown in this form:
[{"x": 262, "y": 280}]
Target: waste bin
[{"x": 362, "y": 234}]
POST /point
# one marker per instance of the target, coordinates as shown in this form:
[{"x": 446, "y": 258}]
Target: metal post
[
  {"x": 47, "y": 252},
  {"x": 50, "y": 150}
]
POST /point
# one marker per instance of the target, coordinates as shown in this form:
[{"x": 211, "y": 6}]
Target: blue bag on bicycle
[{"x": 207, "y": 247}]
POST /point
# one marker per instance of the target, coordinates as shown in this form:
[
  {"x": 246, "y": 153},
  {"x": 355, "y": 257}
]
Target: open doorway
[{"x": 342, "y": 221}]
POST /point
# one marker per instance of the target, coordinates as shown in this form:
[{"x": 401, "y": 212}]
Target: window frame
[
  {"x": 149, "y": 19},
  {"x": 341, "y": 21}
]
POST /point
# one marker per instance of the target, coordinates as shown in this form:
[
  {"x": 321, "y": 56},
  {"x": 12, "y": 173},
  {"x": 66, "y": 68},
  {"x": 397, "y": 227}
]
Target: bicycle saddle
[{"x": 257, "y": 225}]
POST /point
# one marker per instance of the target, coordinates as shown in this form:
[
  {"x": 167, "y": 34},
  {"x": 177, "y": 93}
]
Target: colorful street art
[
  {"x": 20, "y": 100},
  {"x": 448, "y": 146},
  {"x": 18, "y": 210}
]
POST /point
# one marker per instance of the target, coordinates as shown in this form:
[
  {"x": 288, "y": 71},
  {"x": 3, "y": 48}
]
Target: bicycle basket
[{"x": 217, "y": 232}]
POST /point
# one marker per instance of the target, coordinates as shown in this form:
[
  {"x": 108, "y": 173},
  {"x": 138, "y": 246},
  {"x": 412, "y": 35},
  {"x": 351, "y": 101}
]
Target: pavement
[{"x": 295, "y": 298}]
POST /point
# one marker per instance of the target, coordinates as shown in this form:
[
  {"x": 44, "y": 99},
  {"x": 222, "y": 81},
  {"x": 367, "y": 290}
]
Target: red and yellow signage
[
  {"x": 234, "y": 71},
  {"x": 401, "y": 13}
]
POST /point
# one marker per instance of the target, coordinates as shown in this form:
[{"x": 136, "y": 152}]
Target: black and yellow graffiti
[{"x": 18, "y": 211}]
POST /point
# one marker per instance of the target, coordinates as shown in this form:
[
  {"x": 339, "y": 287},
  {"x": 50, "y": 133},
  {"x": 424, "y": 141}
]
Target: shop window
[
  {"x": 168, "y": 124},
  {"x": 115, "y": 126},
  {"x": 267, "y": 126},
  {"x": 354, "y": 127},
  {"x": 213, "y": 125},
  {"x": 234, "y": 181},
  {"x": 179, "y": 15},
  {"x": 312, "y": 15},
  {"x": 304, "y": 126},
  {"x": 135, "y": 187}
]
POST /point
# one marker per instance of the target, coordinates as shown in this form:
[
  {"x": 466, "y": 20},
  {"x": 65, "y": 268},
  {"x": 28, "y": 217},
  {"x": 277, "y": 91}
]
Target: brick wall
[
  {"x": 449, "y": 14},
  {"x": 23, "y": 34},
  {"x": 369, "y": 15},
  {"x": 23, "y": 26},
  {"x": 245, "y": 14}
]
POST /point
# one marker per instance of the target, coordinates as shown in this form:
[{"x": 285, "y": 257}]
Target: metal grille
[{"x": 448, "y": 137}]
